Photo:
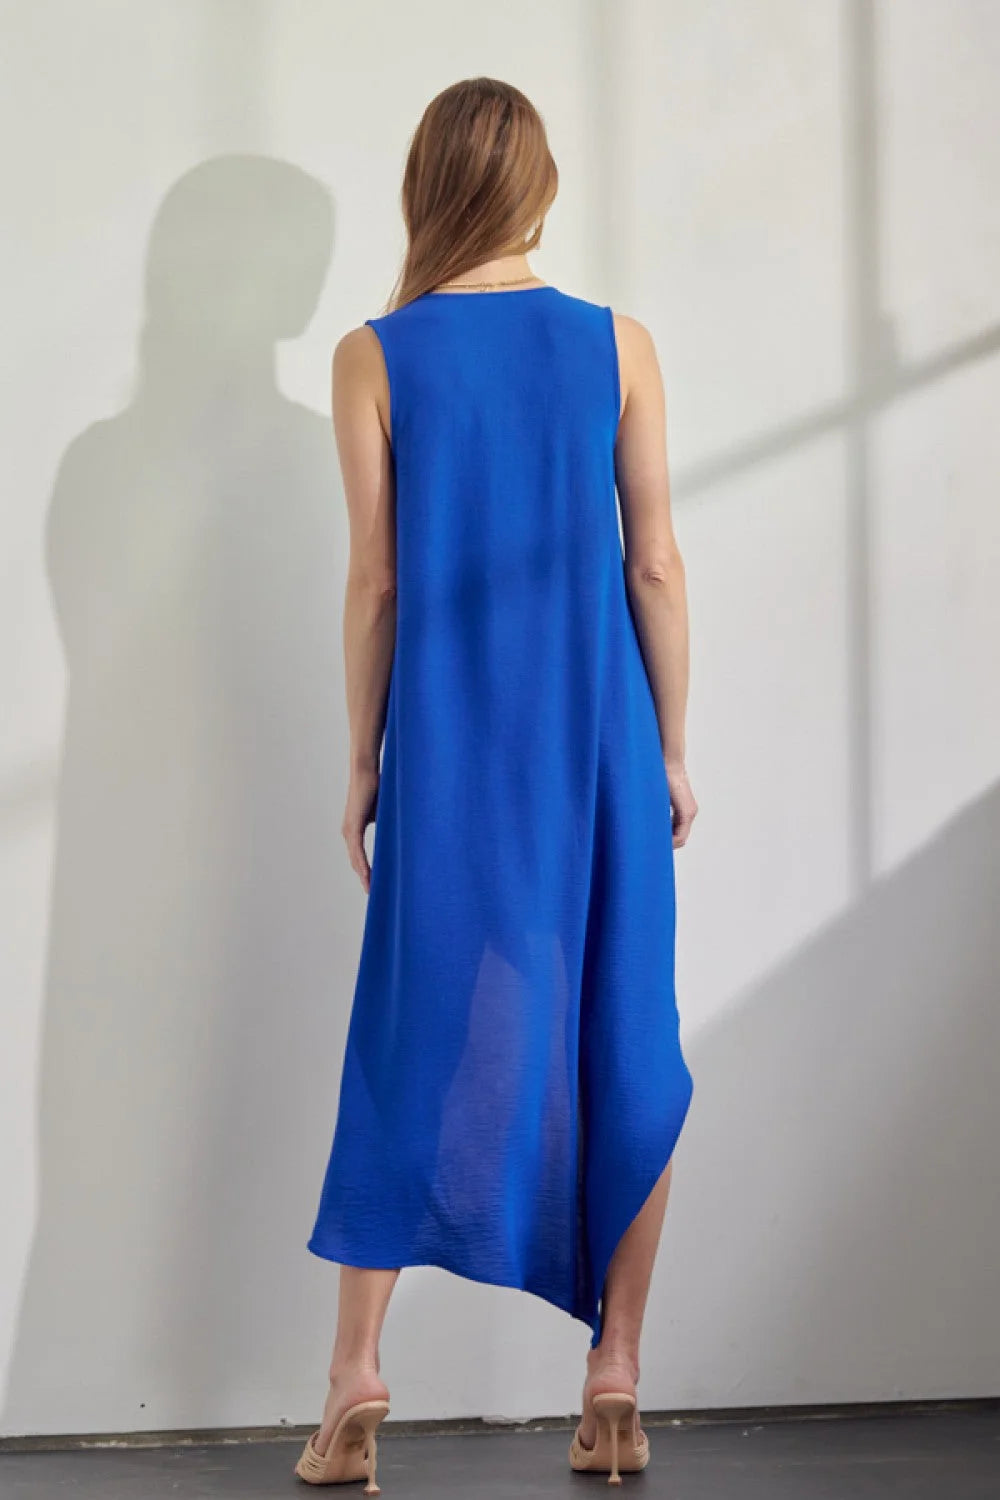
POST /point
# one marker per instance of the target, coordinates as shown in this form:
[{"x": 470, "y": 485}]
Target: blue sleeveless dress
[{"x": 513, "y": 1083}]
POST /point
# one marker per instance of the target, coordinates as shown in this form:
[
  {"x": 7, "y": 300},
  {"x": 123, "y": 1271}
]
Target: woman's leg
[
  {"x": 614, "y": 1364},
  {"x": 354, "y": 1365}
]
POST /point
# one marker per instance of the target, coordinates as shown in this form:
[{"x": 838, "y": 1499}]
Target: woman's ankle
[
  {"x": 616, "y": 1353},
  {"x": 351, "y": 1365}
]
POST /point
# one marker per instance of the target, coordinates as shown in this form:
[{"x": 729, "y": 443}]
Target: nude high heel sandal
[
  {"x": 352, "y": 1453},
  {"x": 614, "y": 1448}
]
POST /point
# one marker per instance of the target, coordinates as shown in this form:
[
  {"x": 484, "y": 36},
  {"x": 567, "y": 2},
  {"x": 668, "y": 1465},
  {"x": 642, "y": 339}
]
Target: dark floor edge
[{"x": 431, "y": 1427}]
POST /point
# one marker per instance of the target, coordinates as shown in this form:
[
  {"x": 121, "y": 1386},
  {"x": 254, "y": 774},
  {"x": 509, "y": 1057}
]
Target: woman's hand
[
  {"x": 362, "y": 798},
  {"x": 682, "y": 802}
]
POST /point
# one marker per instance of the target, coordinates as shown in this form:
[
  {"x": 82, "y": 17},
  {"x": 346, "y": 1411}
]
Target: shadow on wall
[
  {"x": 196, "y": 549},
  {"x": 875, "y": 1045}
]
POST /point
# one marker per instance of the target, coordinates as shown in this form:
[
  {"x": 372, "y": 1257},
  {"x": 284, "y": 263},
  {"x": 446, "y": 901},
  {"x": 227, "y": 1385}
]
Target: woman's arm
[
  {"x": 360, "y": 401},
  {"x": 654, "y": 568}
]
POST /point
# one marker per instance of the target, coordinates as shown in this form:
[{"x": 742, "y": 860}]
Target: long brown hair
[{"x": 478, "y": 182}]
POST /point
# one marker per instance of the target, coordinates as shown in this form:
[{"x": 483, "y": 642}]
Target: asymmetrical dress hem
[
  {"x": 441, "y": 1263},
  {"x": 345, "y": 1254}
]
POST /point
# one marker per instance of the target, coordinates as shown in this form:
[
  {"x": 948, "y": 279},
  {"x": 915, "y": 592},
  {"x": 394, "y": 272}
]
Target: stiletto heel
[
  {"x": 353, "y": 1450},
  {"x": 372, "y": 1488},
  {"x": 612, "y": 1408},
  {"x": 615, "y": 1448}
]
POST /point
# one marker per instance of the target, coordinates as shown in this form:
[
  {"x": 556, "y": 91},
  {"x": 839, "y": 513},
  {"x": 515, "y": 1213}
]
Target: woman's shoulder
[
  {"x": 628, "y": 329},
  {"x": 358, "y": 359},
  {"x": 355, "y": 346},
  {"x": 633, "y": 336}
]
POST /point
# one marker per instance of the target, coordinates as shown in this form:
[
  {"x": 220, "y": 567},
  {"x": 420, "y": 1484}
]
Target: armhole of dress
[
  {"x": 616, "y": 374},
  {"x": 373, "y": 323}
]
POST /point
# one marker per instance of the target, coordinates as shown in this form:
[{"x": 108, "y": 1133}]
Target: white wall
[{"x": 801, "y": 202}]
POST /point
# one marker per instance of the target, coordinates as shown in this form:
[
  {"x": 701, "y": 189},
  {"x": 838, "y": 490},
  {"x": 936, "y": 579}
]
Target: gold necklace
[{"x": 487, "y": 286}]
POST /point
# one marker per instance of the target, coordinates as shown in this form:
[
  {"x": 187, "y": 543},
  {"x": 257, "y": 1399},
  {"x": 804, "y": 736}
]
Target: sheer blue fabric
[{"x": 513, "y": 1083}]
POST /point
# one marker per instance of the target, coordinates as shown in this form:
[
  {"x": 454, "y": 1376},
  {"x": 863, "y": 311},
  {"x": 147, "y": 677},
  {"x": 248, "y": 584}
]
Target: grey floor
[{"x": 948, "y": 1455}]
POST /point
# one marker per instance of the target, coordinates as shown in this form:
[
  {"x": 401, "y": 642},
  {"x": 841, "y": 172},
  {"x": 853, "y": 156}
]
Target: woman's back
[
  {"x": 515, "y": 990},
  {"x": 503, "y": 415}
]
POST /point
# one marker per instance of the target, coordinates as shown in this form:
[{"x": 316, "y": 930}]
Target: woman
[{"x": 513, "y": 1084}]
